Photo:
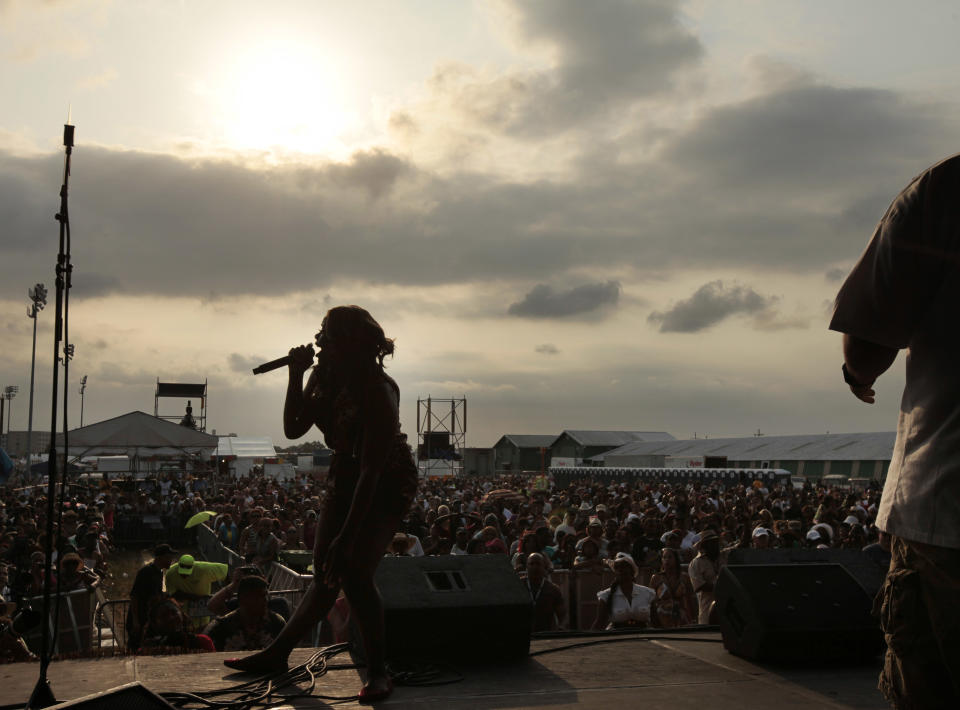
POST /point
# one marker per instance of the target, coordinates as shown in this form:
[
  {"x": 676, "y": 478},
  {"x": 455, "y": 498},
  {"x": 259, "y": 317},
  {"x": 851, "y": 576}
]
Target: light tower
[
  {"x": 38, "y": 299},
  {"x": 442, "y": 431},
  {"x": 9, "y": 392},
  {"x": 83, "y": 389}
]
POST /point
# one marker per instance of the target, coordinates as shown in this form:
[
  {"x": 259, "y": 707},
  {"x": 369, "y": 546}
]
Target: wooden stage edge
[{"x": 651, "y": 671}]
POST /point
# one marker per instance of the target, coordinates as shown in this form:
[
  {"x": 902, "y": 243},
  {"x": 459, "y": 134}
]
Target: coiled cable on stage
[{"x": 268, "y": 691}]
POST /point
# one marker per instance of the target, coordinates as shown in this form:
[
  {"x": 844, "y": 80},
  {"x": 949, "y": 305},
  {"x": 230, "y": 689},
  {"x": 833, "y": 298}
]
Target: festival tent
[
  {"x": 242, "y": 453},
  {"x": 137, "y": 435}
]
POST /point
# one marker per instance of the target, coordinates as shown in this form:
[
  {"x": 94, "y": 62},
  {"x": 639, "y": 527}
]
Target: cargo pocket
[{"x": 901, "y": 611}]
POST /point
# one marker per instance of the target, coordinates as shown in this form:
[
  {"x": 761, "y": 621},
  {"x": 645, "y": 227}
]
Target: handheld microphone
[{"x": 272, "y": 365}]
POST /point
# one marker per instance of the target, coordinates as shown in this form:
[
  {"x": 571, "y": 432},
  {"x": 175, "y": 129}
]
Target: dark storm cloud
[
  {"x": 544, "y": 301},
  {"x": 810, "y": 137},
  {"x": 547, "y": 349},
  {"x": 607, "y": 55},
  {"x": 793, "y": 180},
  {"x": 835, "y": 274},
  {"x": 710, "y": 304}
]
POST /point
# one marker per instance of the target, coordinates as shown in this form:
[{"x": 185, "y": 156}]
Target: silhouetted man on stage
[{"x": 903, "y": 294}]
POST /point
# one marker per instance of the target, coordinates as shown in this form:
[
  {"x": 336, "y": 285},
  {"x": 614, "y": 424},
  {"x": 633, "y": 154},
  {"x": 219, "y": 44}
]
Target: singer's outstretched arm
[{"x": 298, "y": 414}]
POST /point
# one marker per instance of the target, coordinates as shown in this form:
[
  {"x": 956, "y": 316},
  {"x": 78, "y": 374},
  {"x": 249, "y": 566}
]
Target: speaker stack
[
  {"x": 464, "y": 607},
  {"x": 796, "y": 613}
]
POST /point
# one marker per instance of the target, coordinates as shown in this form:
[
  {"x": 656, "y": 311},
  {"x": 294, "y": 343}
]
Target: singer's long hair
[{"x": 355, "y": 326}]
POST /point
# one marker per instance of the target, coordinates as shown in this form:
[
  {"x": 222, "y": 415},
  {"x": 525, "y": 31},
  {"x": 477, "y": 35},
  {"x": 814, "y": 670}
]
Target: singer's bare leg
[
  {"x": 315, "y": 605},
  {"x": 365, "y": 605}
]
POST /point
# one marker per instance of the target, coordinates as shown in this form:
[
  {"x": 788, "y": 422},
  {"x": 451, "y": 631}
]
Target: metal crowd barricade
[
  {"x": 585, "y": 588},
  {"x": 75, "y": 631},
  {"x": 563, "y": 578},
  {"x": 278, "y": 576},
  {"x": 110, "y": 621}
]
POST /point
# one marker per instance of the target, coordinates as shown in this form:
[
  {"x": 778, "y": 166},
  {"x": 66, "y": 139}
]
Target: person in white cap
[{"x": 760, "y": 539}]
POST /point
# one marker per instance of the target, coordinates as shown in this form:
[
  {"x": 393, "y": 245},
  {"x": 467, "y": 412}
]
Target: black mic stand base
[{"x": 42, "y": 696}]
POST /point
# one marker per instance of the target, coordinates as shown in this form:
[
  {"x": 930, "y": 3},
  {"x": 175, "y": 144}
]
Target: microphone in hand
[{"x": 301, "y": 355}]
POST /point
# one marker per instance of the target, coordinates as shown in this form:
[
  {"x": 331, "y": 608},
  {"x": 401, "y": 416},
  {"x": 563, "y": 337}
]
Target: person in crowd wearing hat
[
  {"x": 675, "y": 604},
  {"x": 595, "y": 533},
  {"x": 356, "y": 405},
  {"x": 704, "y": 570},
  {"x": 549, "y": 608},
  {"x": 252, "y": 625},
  {"x": 625, "y": 603},
  {"x": 193, "y": 579},
  {"x": 760, "y": 538},
  {"x": 147, "y": 589}
]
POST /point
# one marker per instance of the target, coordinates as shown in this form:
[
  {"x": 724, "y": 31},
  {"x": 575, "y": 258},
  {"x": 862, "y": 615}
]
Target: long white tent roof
[
  {"x": 137, "y": 434},
  {"x": 876, "y": 446}
]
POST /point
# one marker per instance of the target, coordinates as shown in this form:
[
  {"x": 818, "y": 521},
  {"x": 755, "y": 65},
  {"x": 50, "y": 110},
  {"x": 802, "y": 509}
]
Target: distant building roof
[
  {"x": 875, "y": 446},
  {"x": 529, "y": 441},
  {"x": 614, "y": 438}
]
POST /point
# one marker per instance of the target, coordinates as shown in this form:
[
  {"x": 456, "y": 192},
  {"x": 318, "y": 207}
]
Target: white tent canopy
[
  {"x": 137, "y": 434},
  {"x": 246, "y": 446}
]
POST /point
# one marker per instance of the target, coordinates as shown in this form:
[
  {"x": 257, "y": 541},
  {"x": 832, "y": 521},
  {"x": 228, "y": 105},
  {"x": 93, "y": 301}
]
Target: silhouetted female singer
[{"x": 374, "y": 479}]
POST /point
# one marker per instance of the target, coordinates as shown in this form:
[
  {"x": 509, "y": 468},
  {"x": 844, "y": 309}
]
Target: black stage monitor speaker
[
  {"x": 465, "y": 607},
  {"x": 131, "y": 696},
  {"x": 800, "y": 613},
  {"x": 869, "y": 573}
]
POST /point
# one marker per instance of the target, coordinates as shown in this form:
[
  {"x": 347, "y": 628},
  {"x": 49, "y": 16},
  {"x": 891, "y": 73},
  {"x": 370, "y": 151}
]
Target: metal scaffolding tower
[
  {"x": 442, "y": 435},
  {"x": 181, "y": 391}
]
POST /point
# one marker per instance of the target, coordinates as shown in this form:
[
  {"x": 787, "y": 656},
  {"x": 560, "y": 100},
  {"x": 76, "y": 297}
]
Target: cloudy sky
[{"x": 585, "y": 215}]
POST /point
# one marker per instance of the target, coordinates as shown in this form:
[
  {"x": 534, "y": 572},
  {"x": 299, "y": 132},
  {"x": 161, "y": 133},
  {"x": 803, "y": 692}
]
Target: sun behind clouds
[{"x": 281, "y": 95}]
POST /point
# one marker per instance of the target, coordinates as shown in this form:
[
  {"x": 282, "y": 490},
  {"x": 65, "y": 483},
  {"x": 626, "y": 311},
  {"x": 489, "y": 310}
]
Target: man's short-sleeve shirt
[
  {"x": 198, "y": 583},
  {"x": 703, "y": 570},
  {"x": 904, "y": 292}
]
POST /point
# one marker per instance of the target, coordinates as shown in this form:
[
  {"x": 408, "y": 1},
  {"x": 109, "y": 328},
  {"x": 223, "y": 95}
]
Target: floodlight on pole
[
  {"x": 83, "y": 389},
  {"x": 9, "y": 392},
  {"x": 38, "y": 299}
]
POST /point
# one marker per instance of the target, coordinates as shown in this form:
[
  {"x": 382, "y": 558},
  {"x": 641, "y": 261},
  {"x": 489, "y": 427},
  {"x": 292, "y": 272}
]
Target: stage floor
[{"x": 666, "y": 671}]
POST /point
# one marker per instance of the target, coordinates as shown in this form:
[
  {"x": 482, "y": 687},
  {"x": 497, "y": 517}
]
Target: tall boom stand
[{"x": 42, "y": 695}]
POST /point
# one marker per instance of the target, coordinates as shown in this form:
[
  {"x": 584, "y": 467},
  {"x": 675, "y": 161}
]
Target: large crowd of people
[{"x": 663, "y": 543}]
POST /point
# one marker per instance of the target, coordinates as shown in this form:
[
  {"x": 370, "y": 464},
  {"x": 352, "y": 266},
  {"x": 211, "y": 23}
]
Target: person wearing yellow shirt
[{"x": 192, "y": 579}]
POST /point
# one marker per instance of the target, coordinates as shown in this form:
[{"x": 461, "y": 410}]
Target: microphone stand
[{"x": 42, "y": 695}]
